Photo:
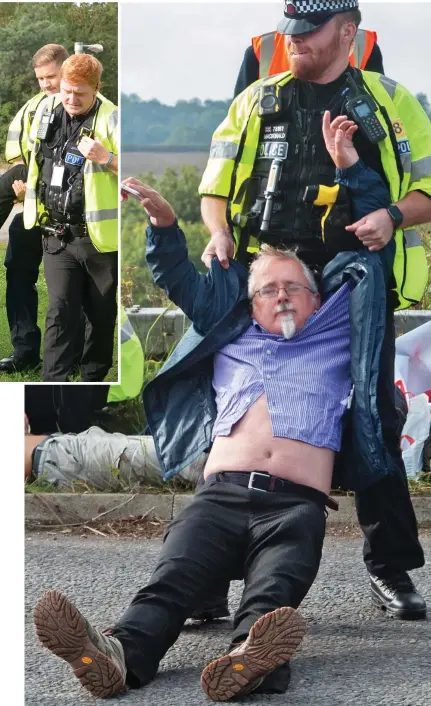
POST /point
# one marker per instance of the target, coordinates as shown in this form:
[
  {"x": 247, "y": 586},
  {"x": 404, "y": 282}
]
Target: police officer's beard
[
  {"x": 288, "y": 327},
  {"x": 312, "y": 67}
]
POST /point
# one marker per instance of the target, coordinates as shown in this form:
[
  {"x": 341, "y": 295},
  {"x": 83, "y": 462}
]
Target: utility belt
[{"x": 63, "y": 227}]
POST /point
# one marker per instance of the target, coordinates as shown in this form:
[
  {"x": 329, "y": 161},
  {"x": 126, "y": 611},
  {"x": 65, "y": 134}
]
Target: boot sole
[
  {"x": 271, "y": 642},
  {"x": 61, "y": 628},
  {"x": 398, "y": 613}
]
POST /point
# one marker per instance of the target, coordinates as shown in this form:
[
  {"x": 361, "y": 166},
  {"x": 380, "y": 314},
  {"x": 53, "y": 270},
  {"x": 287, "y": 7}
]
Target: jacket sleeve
[
  {"x": 217, "y": 177},
  {"x": 416, "y": 132},
  {"x": 113, "y": 132},
  {"x": 367, "y": 189},
  {"x": 375, "y": 62},
  {"x": 248, "y": 73},
  {"x": 204, "y": 298}
]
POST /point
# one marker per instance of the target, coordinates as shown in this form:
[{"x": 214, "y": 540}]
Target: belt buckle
[{"x": 250, "y": 481}]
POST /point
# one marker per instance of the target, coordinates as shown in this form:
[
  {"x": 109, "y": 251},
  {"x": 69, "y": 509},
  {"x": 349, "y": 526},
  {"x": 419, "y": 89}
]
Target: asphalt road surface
[{"x": 352, "y": 653}]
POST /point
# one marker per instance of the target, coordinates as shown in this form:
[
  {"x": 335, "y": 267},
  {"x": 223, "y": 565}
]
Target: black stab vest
[
  {"x": 62, "y": 200},
  {"x": 296, "y": 223}
]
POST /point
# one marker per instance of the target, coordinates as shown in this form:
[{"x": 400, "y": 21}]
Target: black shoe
[
  {"x": 276, "y": 682},
  {"x": 209, "y": 611},
  {"x": 17, "y": 363},
  {"x": 397, "y": 595}
]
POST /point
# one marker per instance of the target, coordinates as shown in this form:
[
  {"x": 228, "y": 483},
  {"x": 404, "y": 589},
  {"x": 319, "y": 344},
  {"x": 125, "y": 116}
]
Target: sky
[{"x": 173, "y": 51}]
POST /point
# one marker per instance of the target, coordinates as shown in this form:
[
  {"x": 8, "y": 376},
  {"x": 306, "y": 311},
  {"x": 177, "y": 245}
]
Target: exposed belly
[{"x": 252, "y": 447}]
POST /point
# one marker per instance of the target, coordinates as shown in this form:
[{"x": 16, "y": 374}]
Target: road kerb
[{"x": 69, "y": 508}]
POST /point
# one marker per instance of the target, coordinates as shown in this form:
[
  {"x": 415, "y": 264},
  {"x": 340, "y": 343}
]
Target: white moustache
[{"x": 287, "y": 306}]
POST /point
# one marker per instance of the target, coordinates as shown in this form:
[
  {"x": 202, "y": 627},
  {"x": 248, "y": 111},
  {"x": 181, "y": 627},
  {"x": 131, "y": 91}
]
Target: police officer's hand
[
  {"x": 338, "y": 137},
  {"x": 93, "y": 150},
  {"x": 19, "y": 188},
  {"x": 159, "y": 210},
  {"x": 221, "y": 246},
  {"x": 374, "y": 230}
]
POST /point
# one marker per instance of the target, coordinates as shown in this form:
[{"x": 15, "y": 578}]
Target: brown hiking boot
[
  {"x": 271, "y": 642},
  {"x": 97, "y": 661}
]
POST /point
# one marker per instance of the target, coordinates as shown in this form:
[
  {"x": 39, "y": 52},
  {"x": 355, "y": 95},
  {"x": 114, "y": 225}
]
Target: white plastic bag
[{"x": 415, "y": 432}]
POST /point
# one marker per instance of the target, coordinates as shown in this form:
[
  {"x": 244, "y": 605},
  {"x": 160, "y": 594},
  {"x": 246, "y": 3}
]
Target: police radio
[
  {"x": 362, "y": 108},
  {"x": 45, "y": 121}
]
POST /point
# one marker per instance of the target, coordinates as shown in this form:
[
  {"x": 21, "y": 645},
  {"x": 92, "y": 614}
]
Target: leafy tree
[
  {"x": 188, "y": 124},
  {"x": 25, "y": 27},
  {"x": 181, "y": 191}
]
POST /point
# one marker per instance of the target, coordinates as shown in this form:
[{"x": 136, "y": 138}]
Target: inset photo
[{"x": 59, "y": 143}]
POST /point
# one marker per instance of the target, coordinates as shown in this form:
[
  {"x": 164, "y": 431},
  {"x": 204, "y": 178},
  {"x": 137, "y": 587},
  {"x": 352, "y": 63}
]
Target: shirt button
[
  {"x": 268, "y": 351},
  {"x": 269, "y": 377}
]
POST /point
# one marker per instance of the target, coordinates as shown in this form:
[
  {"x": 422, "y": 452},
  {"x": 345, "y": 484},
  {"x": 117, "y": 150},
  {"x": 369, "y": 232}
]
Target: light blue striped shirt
[{"x": 306, "y": 379}]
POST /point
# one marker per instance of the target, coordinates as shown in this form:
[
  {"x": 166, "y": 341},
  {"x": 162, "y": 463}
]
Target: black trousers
[
  {"x": 22, "y": 262},
  {"x": 385, "y": 510},
  {"x": 276, "y": 537},
  {"x": 65, "y": 408},
  {"x": 79, "y": 276}
]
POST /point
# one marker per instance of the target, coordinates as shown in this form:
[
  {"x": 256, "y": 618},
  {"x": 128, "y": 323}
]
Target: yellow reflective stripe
[
  {"x": 406, "y": 162},
  {"x": 13, "y": 135},
  {"x": 420, "y": 168},
  {"x": 92, "y": 167},
  {"x": 223, "y": 150},
  {"x": 359, "y": 47},
  {"x": 30, "y": 193},
  {"x": 113, "y": 120},
  {"x": 412, "y": 238},
  {"x": 105, "y": 214},
  {"x": 389, "y": 85},
  {"x": 266, "y": 53}
]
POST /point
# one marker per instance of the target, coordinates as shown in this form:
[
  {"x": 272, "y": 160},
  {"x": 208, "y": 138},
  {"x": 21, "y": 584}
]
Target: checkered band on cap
[{"x": 309, "y": 7}]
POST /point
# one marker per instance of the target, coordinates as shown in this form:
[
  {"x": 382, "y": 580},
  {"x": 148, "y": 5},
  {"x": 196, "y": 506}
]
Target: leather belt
[{"x": 260, "y": 480}]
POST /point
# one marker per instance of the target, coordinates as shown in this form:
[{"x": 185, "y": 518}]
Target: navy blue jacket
[{"x": 180, "y": 402}]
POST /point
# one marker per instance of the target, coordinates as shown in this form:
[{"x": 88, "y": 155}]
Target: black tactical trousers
[
  {"x": 22, "y": 262},
  {"x": 79, "y": 276},
  {"x": 385, "y": 511},
  {"x": 276, "y": 537},
  {"x": 65, "y": 408}
]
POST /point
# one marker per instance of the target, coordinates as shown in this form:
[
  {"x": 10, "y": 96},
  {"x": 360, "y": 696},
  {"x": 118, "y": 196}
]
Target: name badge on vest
[
  {"x": 76, "y": 160},
  {"x": 57, "y": 176},
  {"x": 273, "y": 144}
]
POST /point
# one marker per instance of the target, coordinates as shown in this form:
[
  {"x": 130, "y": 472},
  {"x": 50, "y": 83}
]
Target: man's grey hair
[{"x": 285, "y": 254}]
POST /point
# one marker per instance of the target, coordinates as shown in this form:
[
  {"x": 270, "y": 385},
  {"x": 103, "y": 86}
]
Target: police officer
[
  {"x": 266, "y": 158},
  {"x": 72, "y": 193},
  {"x": 24, "y": 251},
  {"x": 267, "y": 56}
]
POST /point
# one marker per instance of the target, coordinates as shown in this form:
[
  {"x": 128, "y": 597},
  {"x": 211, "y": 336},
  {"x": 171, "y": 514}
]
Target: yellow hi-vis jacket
[
  {"x": 132, "y": 364},
  {"x": 100, "y": 184},
  {"x": 235, "y": 142},
  {"x": 17, "y": 141}
]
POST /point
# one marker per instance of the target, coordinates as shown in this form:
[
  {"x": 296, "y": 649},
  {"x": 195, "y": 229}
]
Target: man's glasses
[{"x": 291, "y": 290}]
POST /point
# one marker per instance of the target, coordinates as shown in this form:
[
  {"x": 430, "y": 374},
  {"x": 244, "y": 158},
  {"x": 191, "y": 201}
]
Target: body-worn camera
[
  {"x": 269, "y": 100},
  {"x": 86, "y": 132}
]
